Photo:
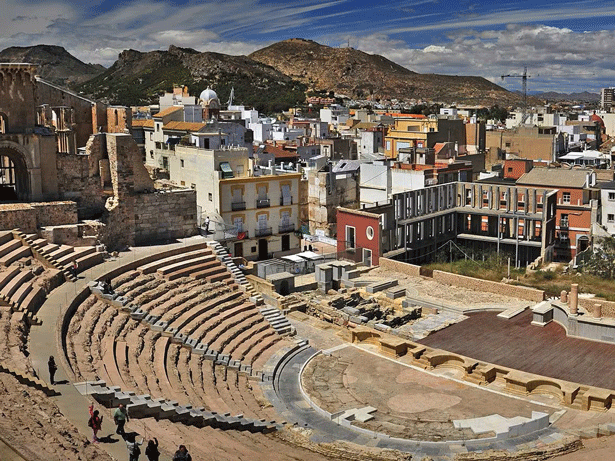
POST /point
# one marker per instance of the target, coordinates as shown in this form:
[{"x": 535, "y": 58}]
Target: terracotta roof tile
[
  {"x": 167, "y": 111},
  {"x": 184, "y": 126}
]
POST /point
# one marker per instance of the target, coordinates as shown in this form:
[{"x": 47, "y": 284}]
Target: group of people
[{"x": 120, "y": 418}]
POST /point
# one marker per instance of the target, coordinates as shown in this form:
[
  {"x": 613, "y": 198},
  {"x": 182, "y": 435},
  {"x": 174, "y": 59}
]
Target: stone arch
[{"x": 14, "y": 173}]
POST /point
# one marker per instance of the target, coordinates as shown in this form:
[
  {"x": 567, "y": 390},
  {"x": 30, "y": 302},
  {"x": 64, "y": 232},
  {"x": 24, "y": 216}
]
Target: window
[
  {"x": 182, "y": 162},
  {"x": 350, "y": 237},
  {"x": 369, "y": 232},
  {"x": 610, "y": 217},
  {"x": 611, "y": 195},
  {"x": 151, "y": 154},
  {"x": 211, "y": 197},
  {"x": 563, "y": 236},
  {"x": 563, "y": 222},
  {"x": 566, "y": 197},
  {"x": 182, "y": 183},
  {"x": 510, "y": 170}
]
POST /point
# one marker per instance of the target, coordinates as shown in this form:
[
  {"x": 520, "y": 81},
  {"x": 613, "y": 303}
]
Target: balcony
[
  {"x": 563, "y": 224},
  {"x": 283, "y": 228},
  {"x": 263, "y": 203},
  {"x": 285, "y": 201},
  {"x": 262, "y": 231},
  {"x": 236, "y": 206}
]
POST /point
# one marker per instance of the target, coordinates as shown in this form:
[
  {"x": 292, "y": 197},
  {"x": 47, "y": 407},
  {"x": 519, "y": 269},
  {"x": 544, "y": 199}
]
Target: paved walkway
[{"x": 42, "y": 344}]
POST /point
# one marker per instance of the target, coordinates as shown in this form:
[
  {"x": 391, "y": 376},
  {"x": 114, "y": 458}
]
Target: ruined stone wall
[
  {"x": 488, "y": 286},
  {"x": 17, "y": 96},
  {"x": 402, "y": 268},
  {"x": 608, "y": 307},
  {"x": 30, "y": 216},
  {"x": 119, "y": 119},
  {"x": 47, "y": 93},
  {"x": 165, "y": 215},
  {"x": 76, "y": 183}
]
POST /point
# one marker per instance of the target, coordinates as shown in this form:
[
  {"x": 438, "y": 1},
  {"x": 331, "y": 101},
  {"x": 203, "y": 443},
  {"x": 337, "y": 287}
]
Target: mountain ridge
[{"x": 55, "y": 63}]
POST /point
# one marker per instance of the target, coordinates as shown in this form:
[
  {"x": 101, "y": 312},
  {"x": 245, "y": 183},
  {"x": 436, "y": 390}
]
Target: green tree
[{"x": 602, "y": 261}]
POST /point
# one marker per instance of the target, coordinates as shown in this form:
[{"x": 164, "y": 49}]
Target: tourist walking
[
  {"x": 134, "y": 451},
  {"x": 51, "y": 364},
  {"x": 151, "y": 451},
  {"x": 95, "y": 423},
  {"x": 120, "y": 417},
  {"x": 182, "y": 454},
  {"x": 207, "y": 225}
]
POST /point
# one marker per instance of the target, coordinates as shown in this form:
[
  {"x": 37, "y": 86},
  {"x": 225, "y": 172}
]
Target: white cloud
[{"x": 557, "y": 58}]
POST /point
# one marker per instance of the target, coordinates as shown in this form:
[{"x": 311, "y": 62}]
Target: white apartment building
[
  {"x": 607, "y": 208},
  {"x": 335, "y": 114}
]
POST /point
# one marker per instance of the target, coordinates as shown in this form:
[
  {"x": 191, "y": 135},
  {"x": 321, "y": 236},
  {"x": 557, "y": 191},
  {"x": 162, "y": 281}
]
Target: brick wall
[
  {"x": 165, "y": 215},
  {"x": 488, "y": 286},
  {"x": 403, "y": 268}
]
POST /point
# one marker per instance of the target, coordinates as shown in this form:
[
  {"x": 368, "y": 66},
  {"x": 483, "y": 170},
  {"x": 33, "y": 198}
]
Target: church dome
[{"x": 208, "y": 94}]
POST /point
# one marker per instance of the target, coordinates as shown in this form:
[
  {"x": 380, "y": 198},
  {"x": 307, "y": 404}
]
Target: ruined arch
[{"x": 14, "y": 174}]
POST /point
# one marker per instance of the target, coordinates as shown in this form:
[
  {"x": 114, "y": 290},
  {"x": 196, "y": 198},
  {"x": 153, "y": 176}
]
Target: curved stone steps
[
  {"x": 80, "y": 335},
  {"x": 165, "y": 291},
  {"x": 246, "y": 350},
  {"x": 179, "y": 300},
  {"x": 224, "y": 391},
  {"x": 159, "y": 365},
  {"x": 192, "y": 307},
  {"x": 225, "y": 320},
  {"x": 178, "y": 269},
  {"x": 224, "y": 339},
  {"x": 138, "y": 289},
  {"x": 193, "y": 382},
  {"x": 198, "y": 328},
  {"x": 9, "y": 246},
  {"x": 155, "y": 265},
  {"x": 6, "y": 275},
  {"x": 135, "y": 347},
  {"x": 132, "y": 283},
  {"x": 118, "y": 282},
  {"x": 231, "y": 348},
  {"x": 202, "y": 381},
  {"x": 175, "y": 382},
  {"x": 181, "y": 356},
  {"x": 215, "y": 398},
  {"x": 254, "y": 398},
  {"x": 259, "y": 354},
  {"x": 21, "y": 278}
]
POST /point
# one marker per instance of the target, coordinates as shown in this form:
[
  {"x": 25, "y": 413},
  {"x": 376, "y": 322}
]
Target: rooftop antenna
[
  {"x": 230, "y": 98},
  {"x": 523, "y": 78}
]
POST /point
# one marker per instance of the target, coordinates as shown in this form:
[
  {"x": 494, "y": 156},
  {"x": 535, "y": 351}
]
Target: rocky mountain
[
  {"x": 138, "y": 78},
  {"x": 55, "y": 63},
  {"x": 361, "y": 75},
  {"x": 585, "y": 96}
]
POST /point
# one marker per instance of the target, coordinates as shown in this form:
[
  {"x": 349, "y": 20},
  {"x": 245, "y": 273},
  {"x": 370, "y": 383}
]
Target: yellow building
[{"x": 422, "y": 132}]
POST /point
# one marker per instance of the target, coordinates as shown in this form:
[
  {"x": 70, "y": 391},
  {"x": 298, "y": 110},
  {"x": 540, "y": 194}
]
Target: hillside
[
  {"x": 357, "y": 74},
  {"x": 55, "y": 63},
  {"x": 585, "y": 96},
  {"x": 138, "y": 78}
]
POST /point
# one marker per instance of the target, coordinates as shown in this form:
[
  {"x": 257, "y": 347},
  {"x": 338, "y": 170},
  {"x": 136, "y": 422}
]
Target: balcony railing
[
  {"x": 282, "y": 228},
  {"x": 263, "y": 203},
  {"x": 285, "y": 201},
  {"x": 238, "y": 206},
  {"x": 563, "y": 223},
  {"x": 262, "y": 231}
]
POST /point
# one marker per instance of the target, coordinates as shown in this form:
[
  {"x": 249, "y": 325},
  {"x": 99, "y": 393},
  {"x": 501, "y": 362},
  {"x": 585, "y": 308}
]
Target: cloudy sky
[{"x": 566, "y": 46}]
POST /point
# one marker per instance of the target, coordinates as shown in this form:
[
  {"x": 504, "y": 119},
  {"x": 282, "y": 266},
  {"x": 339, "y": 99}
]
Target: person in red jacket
[{"x": 95, "y": 423}]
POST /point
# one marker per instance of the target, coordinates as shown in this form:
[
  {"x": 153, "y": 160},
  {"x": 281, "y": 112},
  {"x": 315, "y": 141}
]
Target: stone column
[
  {"x": 597, "y": 311},
  {"x": 563, "y": 297},
  {"x": 574, "y": 298}
]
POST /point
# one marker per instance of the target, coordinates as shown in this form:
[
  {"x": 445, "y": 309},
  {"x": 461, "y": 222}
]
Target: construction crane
[{"x": 523, "y": 78}]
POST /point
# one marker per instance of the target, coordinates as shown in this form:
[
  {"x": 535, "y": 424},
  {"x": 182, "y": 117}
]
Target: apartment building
[{"x": 577, "y": 206}]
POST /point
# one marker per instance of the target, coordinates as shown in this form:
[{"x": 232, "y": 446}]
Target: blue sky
[{"x": 567, "y": 46}]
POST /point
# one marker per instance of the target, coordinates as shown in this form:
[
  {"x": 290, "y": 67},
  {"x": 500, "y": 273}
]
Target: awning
[
  {"x": 293, "y": 258},
  {"x": 309, "y": 255}
]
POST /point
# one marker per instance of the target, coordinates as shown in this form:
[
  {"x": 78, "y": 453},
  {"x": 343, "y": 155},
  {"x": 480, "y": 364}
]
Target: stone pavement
[
  {"x": 43, "y": 343},
  {"x": 422, "y": 327}
]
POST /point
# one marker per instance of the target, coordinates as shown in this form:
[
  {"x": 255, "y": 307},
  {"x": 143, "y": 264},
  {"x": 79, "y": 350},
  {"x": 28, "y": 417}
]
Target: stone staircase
[
  {"x": 143, "y": 406},
  {"x": 29, "y": 380}
]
